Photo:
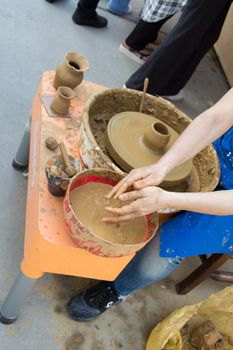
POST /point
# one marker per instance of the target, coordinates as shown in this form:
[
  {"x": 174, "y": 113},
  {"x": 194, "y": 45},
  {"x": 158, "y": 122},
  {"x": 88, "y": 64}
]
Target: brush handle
[
  {"x": 146, "y": 82},
  {"x": 64, "y": 154}
]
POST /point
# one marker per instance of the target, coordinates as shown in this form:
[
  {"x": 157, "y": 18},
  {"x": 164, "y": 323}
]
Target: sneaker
[
  {"x": 121, "y": 13},
  {"x": 135, "y": 55},
  {"x": 176, "y": 97},
  {"x": 91, "y": 303},
  {"x": 92, "y": 20}
]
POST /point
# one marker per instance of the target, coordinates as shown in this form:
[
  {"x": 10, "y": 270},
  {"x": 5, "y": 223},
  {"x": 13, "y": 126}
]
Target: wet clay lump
[{"x": 88, "y": 202}]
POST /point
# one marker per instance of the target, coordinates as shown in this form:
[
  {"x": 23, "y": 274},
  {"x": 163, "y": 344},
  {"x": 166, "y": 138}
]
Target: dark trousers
[
  {"x": 87, "y": 7},
  {"x": 172, "y": 64},
  {"x": 144, "y": 33}
]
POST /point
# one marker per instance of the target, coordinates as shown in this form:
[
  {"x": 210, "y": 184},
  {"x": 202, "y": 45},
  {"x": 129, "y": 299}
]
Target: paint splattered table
[{"x": 48, "y": 246}]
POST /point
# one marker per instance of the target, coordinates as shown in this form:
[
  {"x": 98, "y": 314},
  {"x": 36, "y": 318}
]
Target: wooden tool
[
  {"x": 146, "y": 82},
  {"x": 69, "y": 169}
]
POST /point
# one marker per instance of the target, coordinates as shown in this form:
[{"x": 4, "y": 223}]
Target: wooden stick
[
  {"x": 70, "y": 170},
  {"x": 146, "y": 82},
  {"x": 64, "y": 154}
]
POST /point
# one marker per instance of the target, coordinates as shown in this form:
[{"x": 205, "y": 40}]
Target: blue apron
[{"x": 190, "y": 233}]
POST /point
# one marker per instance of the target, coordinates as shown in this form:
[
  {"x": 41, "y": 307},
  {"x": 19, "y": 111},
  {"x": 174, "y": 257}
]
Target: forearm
[
  {"x": 202, "y": 131},
  {"x": 216, "y": 203}
]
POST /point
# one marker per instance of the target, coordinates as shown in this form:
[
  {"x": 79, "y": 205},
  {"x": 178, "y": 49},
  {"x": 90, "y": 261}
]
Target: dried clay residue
[
  {"x": 74, "y": 342},
  {"x": 205, "y": 337}
]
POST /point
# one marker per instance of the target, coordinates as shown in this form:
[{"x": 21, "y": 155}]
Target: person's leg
[
  {"x": 181, "y": 76},
  {"x": 197, "y": 18},
  {"x": 143, "y": 34},
  {"x": 119, "y": 7},
  {"x": 88, "y": 6},
  {"x": 85, "y": 14},
  {"x": 145, "y": 268}
]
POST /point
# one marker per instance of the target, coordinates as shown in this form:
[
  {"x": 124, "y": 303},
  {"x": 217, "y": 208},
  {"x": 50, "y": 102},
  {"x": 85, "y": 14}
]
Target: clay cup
[
  {"x": 70, "y": 71},
  {"x": 61, "y": 102},
  {"x": 157, "y": 136}
]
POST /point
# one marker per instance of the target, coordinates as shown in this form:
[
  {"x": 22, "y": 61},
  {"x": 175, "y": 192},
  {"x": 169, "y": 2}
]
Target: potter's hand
[
  {"x": 151, "y": 175},
  {"x": 145, "y": 201}
]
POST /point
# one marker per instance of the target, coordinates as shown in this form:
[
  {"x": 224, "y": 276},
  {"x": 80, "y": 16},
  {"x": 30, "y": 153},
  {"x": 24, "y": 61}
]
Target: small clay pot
[
  {"x": 70, "y": 72},
  {"x": 157, "y": 136},
  {"x": 61, "y": 102}
]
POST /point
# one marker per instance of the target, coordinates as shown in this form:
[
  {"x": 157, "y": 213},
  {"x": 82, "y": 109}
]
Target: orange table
[{"x": 48, "y": 246}]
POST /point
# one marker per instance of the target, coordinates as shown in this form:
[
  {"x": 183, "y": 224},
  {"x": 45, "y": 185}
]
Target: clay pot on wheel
[
  {"x": 70, "y": 72},
  {"x": 157, "y": 136},
  {"x": 61, "y": 102},
  {"x": 102, "y": 107}
]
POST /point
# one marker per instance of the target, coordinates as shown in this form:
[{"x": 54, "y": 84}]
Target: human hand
[
  {"x": 151, "y": 175},
  {"x": 145, "y": 201}
]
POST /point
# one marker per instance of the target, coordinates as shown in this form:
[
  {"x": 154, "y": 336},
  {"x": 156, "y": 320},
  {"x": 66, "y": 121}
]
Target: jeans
[
  {"x": 119, "y": 7},
  {"x": 144, "y": 269}
]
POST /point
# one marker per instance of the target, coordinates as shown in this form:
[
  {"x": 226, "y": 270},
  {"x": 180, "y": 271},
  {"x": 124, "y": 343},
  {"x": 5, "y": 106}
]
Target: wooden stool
[{"x": 205, "y": 270}]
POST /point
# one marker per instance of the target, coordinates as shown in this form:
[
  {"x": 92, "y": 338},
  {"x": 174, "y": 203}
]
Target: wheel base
[
  {"x": 6, "y": 320},
  {"x": 18, "y": 166}
]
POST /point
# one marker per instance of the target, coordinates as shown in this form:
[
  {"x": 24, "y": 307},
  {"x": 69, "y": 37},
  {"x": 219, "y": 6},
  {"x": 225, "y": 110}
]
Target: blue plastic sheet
[{"x": 190, "y": 233}]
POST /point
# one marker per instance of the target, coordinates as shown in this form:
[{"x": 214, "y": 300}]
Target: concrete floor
[{"x": 34, "y": 37}]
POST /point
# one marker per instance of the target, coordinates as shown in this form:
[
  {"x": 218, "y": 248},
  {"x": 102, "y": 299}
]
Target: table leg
[
  {"x": 204, "y": 271},
  {"x": 20, "y": 162},
  {"x": 17, "y": 296}
]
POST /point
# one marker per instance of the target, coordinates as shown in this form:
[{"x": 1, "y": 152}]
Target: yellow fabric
[{"x": 218, "y": 308}]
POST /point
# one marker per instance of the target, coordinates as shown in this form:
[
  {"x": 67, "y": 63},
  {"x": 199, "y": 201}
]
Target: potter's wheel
[{"x": 135, "y": 139}]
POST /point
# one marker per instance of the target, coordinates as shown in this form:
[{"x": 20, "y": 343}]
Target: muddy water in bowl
[{"x": 88, "y": 202}]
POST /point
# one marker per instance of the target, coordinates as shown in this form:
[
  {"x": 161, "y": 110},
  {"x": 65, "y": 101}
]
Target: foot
[
  {"x": 91, "y": 303},
  {"x": 139, "y": 56},
  {"x": 93, "y": 20},
  {"x": 176, "y": 97},
  {"x": 121, "y": 13}
]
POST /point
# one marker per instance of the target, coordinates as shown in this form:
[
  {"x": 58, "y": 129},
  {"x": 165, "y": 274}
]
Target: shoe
[
  {"x": 121, "y": 13},
  {"x": 135, "y": 55},
  {"x": 91, "y": 303},
  {"x": 152, "y": 46},
  {"x": 176, "y": 97},
  {"x": 91, "y": 20}
]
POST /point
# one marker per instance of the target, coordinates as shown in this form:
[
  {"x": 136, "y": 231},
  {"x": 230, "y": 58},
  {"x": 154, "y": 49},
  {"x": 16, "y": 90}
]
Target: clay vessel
[
  {"x": 61, "y": 102},
  {"x": 70, "y": 72},
  {"x": 157, "y": 136},
  {"x": 87, "y": 239}
]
